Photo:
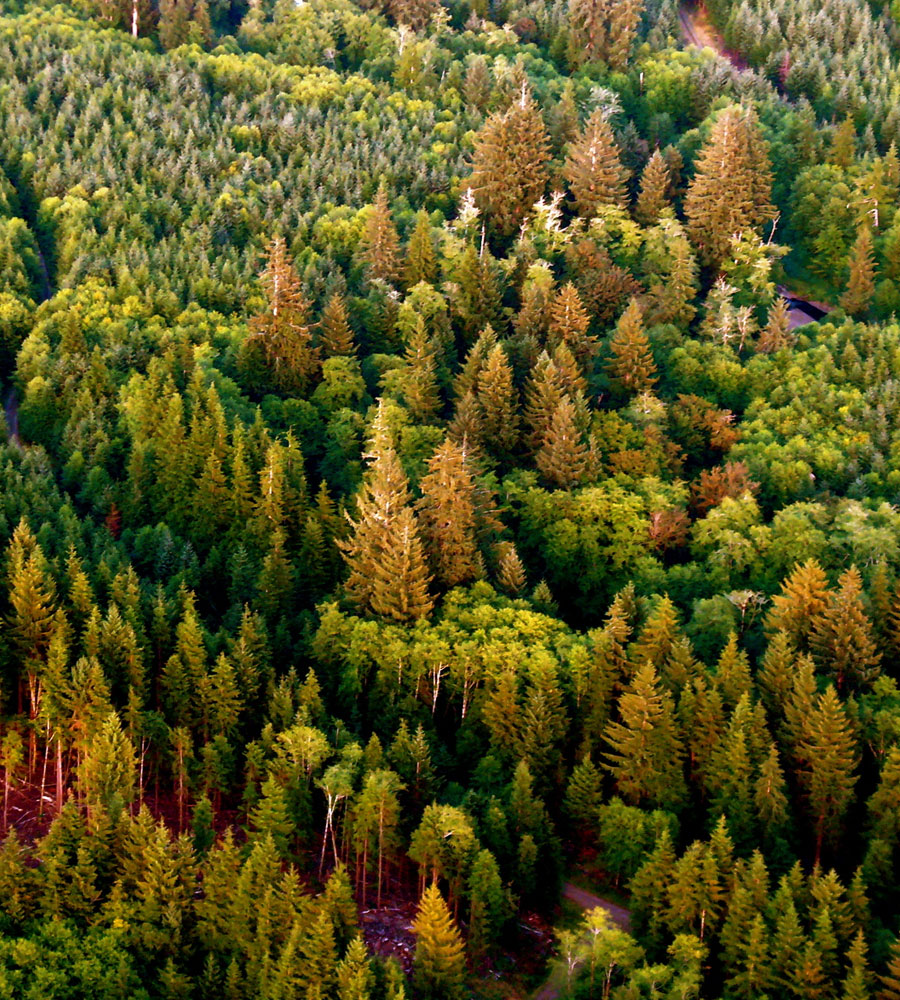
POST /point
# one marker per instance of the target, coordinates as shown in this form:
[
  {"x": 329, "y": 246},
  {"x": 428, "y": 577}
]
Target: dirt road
[{"x": 556, "y": 980}]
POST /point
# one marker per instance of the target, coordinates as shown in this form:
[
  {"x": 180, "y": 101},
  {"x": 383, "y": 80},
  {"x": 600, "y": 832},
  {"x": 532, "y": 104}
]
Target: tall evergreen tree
[
  {"x": 594, "y": 168},
  {"x": 509, "y": 165},
  {"x": 861, "y": 283},
  {"x": 732, "y": 186},
  {"x": 654, "y": 193},
  {"x": 631, "y": 367},
  {"x": 439, "y": 967},
  {"x": 380, "y": 246}
]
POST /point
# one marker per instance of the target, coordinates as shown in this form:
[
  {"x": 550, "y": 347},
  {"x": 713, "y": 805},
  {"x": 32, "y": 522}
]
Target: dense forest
[{"x": 419, "y": 492}]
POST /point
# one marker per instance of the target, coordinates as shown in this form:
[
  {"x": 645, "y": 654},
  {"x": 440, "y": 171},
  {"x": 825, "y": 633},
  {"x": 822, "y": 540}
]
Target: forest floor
[{"x": 555, "y": 984}]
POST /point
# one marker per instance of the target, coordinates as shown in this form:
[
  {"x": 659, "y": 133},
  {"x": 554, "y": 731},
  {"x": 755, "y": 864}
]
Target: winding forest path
[{"x": 555, "y": 983}]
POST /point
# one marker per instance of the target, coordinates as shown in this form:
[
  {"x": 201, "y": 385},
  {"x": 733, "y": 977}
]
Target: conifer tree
[
  {"x": 509, "y": 165},
  {"x": 568, "y": 324},
  {"x": 488, "y": 904},
  {"x": 380, "y": 245},
  {"x": 282, "y": 331},
  {"x": 510, "y": 571},
  {"x": 804, "y": 596},
  {"x": 439, "y": 967},
  {"x": 732, "y": 185},
  {"x": 584, "y": 795},
  {"x": 604, "y": 30},
  {"x": 420, "y": 264},
  {"x": 449, "y": 515},
  {"x": 842, "y": 640},
  {"x": 646, "y": 751},
  {"x": 354, "y": 974},
  {"x": 654, "y": 193},
  {"x": 419, "y": 379},
  {"x": 543, "y": 393},
  {"x": 335, "y": 336},
  {"x": 861, "y": 283},
  {"x": 829, "y": 757},
  {"x": 563, "y": 459},
  {"x": 384, "y": 554},
  {"x": 594, "y": 169},
  {"x": 498, "y": 404},
  {"x": 776, "y": 333},
  {"x": 631, "y": 367},
  {"x": 890, "y": 980}
]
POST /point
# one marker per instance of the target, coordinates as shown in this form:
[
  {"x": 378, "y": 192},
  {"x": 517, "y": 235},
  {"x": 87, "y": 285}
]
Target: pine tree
[
  {"x": 564, "y": 460},
  {"x": 776, "y": 334},
  {"x": 543, "y": 393},
  {"x": 420, "y": 264},
  {"x": 631, "y": 367},
  {"x": 842, "y": 640},
  {"x": 646, "y": 751},
  {"x": 654, "y": 193},
  {"x": 354, "y": 973},
  {"x": 584, "y": 795},
  {"x": 384, "y": 554},
  {"x": 594, "y": 169},
  {"x": 861, "y": 283},
  {"x": 380, "y": 245},
  {"x": 731, "y": 189},
  {"x": 857, "y": 983},
  {"x": 509, "y": 165},
  {"x": 335, "y": 336},
  {"x": 439, "y": 967},
  {"x": 282, "y": 332}
]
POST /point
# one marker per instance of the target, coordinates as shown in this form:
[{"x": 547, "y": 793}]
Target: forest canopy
[{"x": 448, "y": 466}]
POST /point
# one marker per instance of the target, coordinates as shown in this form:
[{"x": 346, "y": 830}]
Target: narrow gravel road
[{"x": 556, "y": 981}]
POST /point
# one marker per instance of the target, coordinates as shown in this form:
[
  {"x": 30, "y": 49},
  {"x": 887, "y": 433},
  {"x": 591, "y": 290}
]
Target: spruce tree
[
  {"x": 654, "y": 193},
  {"x": 861, "y": 283},
  {"x": 776, "y": 334},
  {"x": 842, "y": 640},
  {"x": 509, "y": 165},
  {"x": 449, "y": 515},
  {"x": 564, "y": 460},
  {"x": 593, "y": 168},
  {"x": 380, "y": 246},
  {"x": 646, "y": 750},
  {"x": 604, "y": 30},
  {"x": 732, "y": 185},
  {"x": 335, "y": 336},
  {"x": 420, "y": 264},
  {"x": 543, "y": 393},
  {"x": 498, "y": 404},
  {"x": 631, "y": 367},
  {"x": 439, "y": 967},
  {"x": 804, "y": 596},
  {"x": 828, "y": 755},
  {"x": 383, "y": 553},
  {"x": 890, "y": 980},
  {"x": 568, "y": 324},
  {"x": 282, "y": 331}
]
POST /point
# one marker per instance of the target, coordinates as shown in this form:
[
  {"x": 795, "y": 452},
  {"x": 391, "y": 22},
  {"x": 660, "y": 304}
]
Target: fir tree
[
  {"x": 842, "y": 640},
  {"x": 497, "y": 404},
  {"x": 732, "y": 185},
  {"x": 439, "y": 967},
  {"x": 509, "y": 166},
  {"x": 568, "y": 324},
  {"x": 594, "y": 169},
  {"x": 804, "y": 596}
]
